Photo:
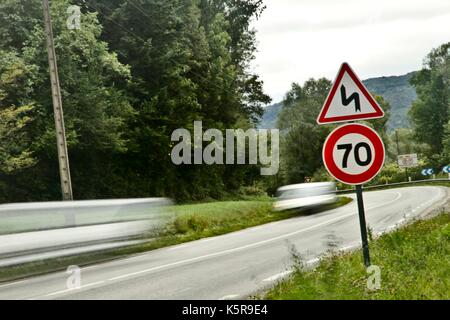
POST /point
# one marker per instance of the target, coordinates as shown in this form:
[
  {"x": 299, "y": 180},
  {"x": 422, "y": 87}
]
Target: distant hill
[
  {"x": 396, "y": 90},
  {"x": 399, "y": 93},
  {"x": 270, "y": 117}
]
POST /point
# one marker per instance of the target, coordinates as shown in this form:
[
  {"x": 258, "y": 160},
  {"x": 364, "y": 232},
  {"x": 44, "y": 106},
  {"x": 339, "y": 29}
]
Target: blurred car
[
  {"x": 305, "y": 196},
  {"x": 47, "y": 230}
]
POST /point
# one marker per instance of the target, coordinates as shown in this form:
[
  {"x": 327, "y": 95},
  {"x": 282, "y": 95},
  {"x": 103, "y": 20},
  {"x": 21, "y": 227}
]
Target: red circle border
[{"x": 377, "y": 164}]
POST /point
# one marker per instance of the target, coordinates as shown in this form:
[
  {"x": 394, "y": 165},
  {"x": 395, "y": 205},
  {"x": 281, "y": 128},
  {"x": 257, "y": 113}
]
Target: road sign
[
  {"x": 354, "y": 154},
  {"x": 349, "y": 100},
  {"x": 446, "y": 169},
  {"x": 408, "y": 161},
  {"x": 427, "y": 172}
]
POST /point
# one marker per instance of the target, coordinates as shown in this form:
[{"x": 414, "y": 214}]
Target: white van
[{"x": 305, "y": 196}]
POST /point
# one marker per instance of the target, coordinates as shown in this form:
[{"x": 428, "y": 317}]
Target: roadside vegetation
[
  {"x": 414, "y": 262},
  {"x": 191, "y": 222}
]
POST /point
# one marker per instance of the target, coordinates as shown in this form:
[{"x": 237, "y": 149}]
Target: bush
[{"x": 195, "y": 223}]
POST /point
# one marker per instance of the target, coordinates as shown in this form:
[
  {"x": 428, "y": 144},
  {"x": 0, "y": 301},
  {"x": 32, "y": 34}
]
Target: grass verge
[
  {"x": 414, "y": 262},
  {"x": 191, "y": 222}
]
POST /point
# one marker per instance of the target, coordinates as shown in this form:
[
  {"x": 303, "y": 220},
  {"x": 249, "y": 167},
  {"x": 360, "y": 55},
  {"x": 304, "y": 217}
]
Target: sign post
[
  {"x": 363, "y": 226},
  {"x": 353, "y": 153},
  {"x": 406, "y": 161}
]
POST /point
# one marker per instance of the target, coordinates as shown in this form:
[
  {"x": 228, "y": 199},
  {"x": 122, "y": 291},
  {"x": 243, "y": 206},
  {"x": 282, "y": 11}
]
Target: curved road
[{"x": 234, "y": 265}]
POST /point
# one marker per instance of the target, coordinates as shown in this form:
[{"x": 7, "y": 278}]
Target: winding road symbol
[{"x": 347, "y": 101}]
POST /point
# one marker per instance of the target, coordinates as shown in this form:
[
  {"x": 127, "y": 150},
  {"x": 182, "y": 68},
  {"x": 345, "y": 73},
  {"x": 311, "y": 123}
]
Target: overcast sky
[{"x": 300, "y": 39}]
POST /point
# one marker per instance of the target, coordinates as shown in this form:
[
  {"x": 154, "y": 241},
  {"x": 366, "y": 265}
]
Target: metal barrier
[
  {"x": 36, "y": 231},
  {"x": 383, "y": 186}
]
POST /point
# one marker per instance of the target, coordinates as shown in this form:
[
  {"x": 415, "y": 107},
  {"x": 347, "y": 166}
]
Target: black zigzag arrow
[{"x": 354, "y": 97}]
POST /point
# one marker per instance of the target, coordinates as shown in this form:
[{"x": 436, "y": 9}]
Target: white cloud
[{"x": 300, "y": 39}]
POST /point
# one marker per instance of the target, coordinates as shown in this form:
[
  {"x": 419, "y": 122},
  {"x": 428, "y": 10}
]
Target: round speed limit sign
[{"x": 353, "y": 154}]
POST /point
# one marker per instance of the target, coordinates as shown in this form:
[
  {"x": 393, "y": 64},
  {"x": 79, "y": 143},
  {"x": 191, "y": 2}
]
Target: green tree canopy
[{"x": 430, "y": 112}]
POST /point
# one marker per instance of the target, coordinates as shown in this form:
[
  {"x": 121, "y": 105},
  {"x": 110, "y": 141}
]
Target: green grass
[
  {"x": 414, "y": 262},
  {"x": 190, "y": 222}
]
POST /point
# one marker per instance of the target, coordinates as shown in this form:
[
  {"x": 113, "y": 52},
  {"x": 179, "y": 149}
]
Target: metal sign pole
[
  {"x": 63, "y": 156},
  {"x": 362, "y": 223}
]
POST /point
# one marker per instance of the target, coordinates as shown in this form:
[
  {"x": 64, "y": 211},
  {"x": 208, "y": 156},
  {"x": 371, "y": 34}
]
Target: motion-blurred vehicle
[
  {"x": 305, "y": 196},
  {"x": 37, "y": 231}
]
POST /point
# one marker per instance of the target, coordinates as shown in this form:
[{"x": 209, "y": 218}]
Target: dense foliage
[
  {"x": 135, "y": 71},
  {"x": 430, "y": 113}
]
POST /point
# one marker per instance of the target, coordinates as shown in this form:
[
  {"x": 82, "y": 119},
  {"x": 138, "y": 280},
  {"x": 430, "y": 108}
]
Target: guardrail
[
  {"x": 383, "y": 186},
  {"x": 36, "y": 231}
]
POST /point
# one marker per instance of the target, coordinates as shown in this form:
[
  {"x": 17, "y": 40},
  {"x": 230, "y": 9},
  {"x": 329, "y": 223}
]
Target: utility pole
[
  {"x": 396, "y": 139},
  {"x": 63, "y": 156}
]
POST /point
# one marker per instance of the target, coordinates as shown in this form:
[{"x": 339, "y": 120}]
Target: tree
[
  {"x": 431, "y": 111},
  {"x": 188, "y": 62},
  {"x": 95, "y": 105},
  {"x": 302, "y": 138},
  {"x": 133, "y": 73},
  {"x": 15, "y": 153}
]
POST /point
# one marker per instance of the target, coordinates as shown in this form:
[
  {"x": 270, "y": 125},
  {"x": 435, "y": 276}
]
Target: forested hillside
[
  {"x": 399, "y": 93},
  {"x": 270, "y": 116},
  {"x": 396, "y": 90}
]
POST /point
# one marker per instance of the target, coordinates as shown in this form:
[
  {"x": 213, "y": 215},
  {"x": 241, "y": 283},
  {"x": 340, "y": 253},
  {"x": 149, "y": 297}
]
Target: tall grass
[{"x": 414, "y": 262}]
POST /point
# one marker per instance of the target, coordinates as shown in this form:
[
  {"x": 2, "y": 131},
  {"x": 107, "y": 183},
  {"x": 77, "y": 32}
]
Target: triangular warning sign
[{"x": 349, "y": 100}]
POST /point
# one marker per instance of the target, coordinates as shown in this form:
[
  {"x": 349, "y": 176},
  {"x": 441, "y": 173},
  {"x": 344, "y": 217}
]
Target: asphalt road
[{"x": 235, "y": 265}]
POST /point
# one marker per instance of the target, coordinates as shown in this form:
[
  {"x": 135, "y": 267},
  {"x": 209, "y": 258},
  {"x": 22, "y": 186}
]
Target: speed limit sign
[{"x": 354, "y": 154}]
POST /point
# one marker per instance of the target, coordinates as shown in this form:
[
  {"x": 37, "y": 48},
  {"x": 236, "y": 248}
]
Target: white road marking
[
  {"x": 283, "y": 274},
  {"x": 90, "y": 267},
  {"x": 313, "y": 261},
  {"x": 229, "y": 297},
  {"x": 228, "y": 251},
  {"x": 349, "y": 247},
  {"x": 183, "y": 290},
  {"x": 12, "y": 283},
  {"x": 278, "y": 276},
  {"x": 224, "y": 252},
  {"x": 390, "y": 228},
  {"x": 74, "y": 289},
  {"x": 181, "y": 246}
]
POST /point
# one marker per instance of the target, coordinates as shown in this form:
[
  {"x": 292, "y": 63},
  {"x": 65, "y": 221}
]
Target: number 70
[{"x": 348, "y": 148}]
